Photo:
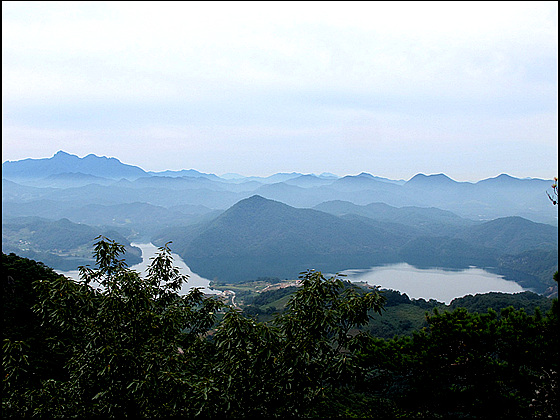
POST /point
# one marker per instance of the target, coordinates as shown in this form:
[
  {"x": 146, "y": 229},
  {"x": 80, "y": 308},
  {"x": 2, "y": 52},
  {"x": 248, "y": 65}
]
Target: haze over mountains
[{"x": 234, "y": 227}]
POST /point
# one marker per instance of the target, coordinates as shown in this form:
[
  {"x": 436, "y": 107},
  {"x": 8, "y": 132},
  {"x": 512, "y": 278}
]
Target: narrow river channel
[{"x": 149, "y": 251}]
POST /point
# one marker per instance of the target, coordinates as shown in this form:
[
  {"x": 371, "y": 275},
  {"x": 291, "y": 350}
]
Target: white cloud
[{"x": 379, "y": 47}]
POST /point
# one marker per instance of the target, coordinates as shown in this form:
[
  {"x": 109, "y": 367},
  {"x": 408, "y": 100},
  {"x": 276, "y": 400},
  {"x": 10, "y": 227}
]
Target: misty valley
[{"x": 234, "y": 229}]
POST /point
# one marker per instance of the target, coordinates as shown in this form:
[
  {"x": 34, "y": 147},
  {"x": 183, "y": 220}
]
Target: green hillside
[
  {"x": 401, "y": 315},
  {"x": 258, "y": 237},
  {"x": 512, "y": 235},
  {"x": 60, "y": 244}
]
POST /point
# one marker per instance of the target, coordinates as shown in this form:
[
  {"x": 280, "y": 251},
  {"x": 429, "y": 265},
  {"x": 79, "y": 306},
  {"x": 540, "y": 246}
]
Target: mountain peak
[
  {"x": 251, "y": 209},
  {"x": 92, "y": 156},
  {"x": 255, "y": 200},
  {"x": 250, "y": 204},
  {"x": 502, "y": 179},
  {"x": 62, "y": 153},
  {"x": 432, "y": 179},
  {"x": 328, "y": 175},
  {"x": 63, "y": 162}
]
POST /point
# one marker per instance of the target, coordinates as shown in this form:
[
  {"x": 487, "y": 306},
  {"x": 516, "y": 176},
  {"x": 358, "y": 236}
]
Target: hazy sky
[{"x": 393, "y": 89}]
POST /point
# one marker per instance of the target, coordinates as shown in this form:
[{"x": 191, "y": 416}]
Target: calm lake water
[
  {"x": 435, "y": 283},
  {"x": 149, "y": 251}
]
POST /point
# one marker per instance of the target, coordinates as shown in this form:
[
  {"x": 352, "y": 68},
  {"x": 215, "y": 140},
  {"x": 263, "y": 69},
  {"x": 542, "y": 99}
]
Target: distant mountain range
[
  {"x": 107, "y": 181},
  {"x": 233, "y": 227},
  {"x": 65, "y": 163}
]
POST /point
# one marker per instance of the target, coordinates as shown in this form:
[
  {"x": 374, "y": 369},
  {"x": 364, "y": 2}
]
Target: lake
[
  {"x": 434, "y": 283},
  {"x": 443, "y": 285},
  {"x": 149, "y": 251}
]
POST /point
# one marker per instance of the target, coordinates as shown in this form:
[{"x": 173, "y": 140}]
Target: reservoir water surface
[{"x": 441, "y": 284}]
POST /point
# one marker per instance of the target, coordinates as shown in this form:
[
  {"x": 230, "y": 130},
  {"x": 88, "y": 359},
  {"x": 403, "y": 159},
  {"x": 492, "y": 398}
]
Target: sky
[{"x": 469, "y": 89}]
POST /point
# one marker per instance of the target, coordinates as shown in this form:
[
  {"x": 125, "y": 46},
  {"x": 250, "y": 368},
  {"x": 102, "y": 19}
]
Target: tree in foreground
[
  {"x": 470, "y": 365},
  {"x": 554, "y": 196},
  {"x": 122, "y": 340},
  {"x": 135, "y": 347}
]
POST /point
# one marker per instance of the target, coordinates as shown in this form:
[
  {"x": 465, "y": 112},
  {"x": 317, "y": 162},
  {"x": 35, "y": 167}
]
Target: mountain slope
[
  {"x": 428, "y": 220},
  {"x": 512, "y": 235},
  {"x": 260, "y": 237},
  {"x": 60, "y": 244}
]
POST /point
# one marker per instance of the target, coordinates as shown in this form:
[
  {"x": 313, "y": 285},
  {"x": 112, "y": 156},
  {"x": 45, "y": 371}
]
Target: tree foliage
[
  {"x": 471, "y": 365},
  {"x": 134, "y": 346}
]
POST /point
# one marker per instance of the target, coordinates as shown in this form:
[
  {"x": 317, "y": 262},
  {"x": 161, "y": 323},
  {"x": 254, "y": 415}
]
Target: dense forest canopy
[{"x": 138, "y": 348}]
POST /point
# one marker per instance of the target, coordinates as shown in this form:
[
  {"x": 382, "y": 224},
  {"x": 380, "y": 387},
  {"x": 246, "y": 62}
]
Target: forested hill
[
  {"x": 60, "y": 244},
  {"x": 258, "y": 237}
]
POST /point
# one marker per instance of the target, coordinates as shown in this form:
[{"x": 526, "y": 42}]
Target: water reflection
[{"x": 434, "y": 283}]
